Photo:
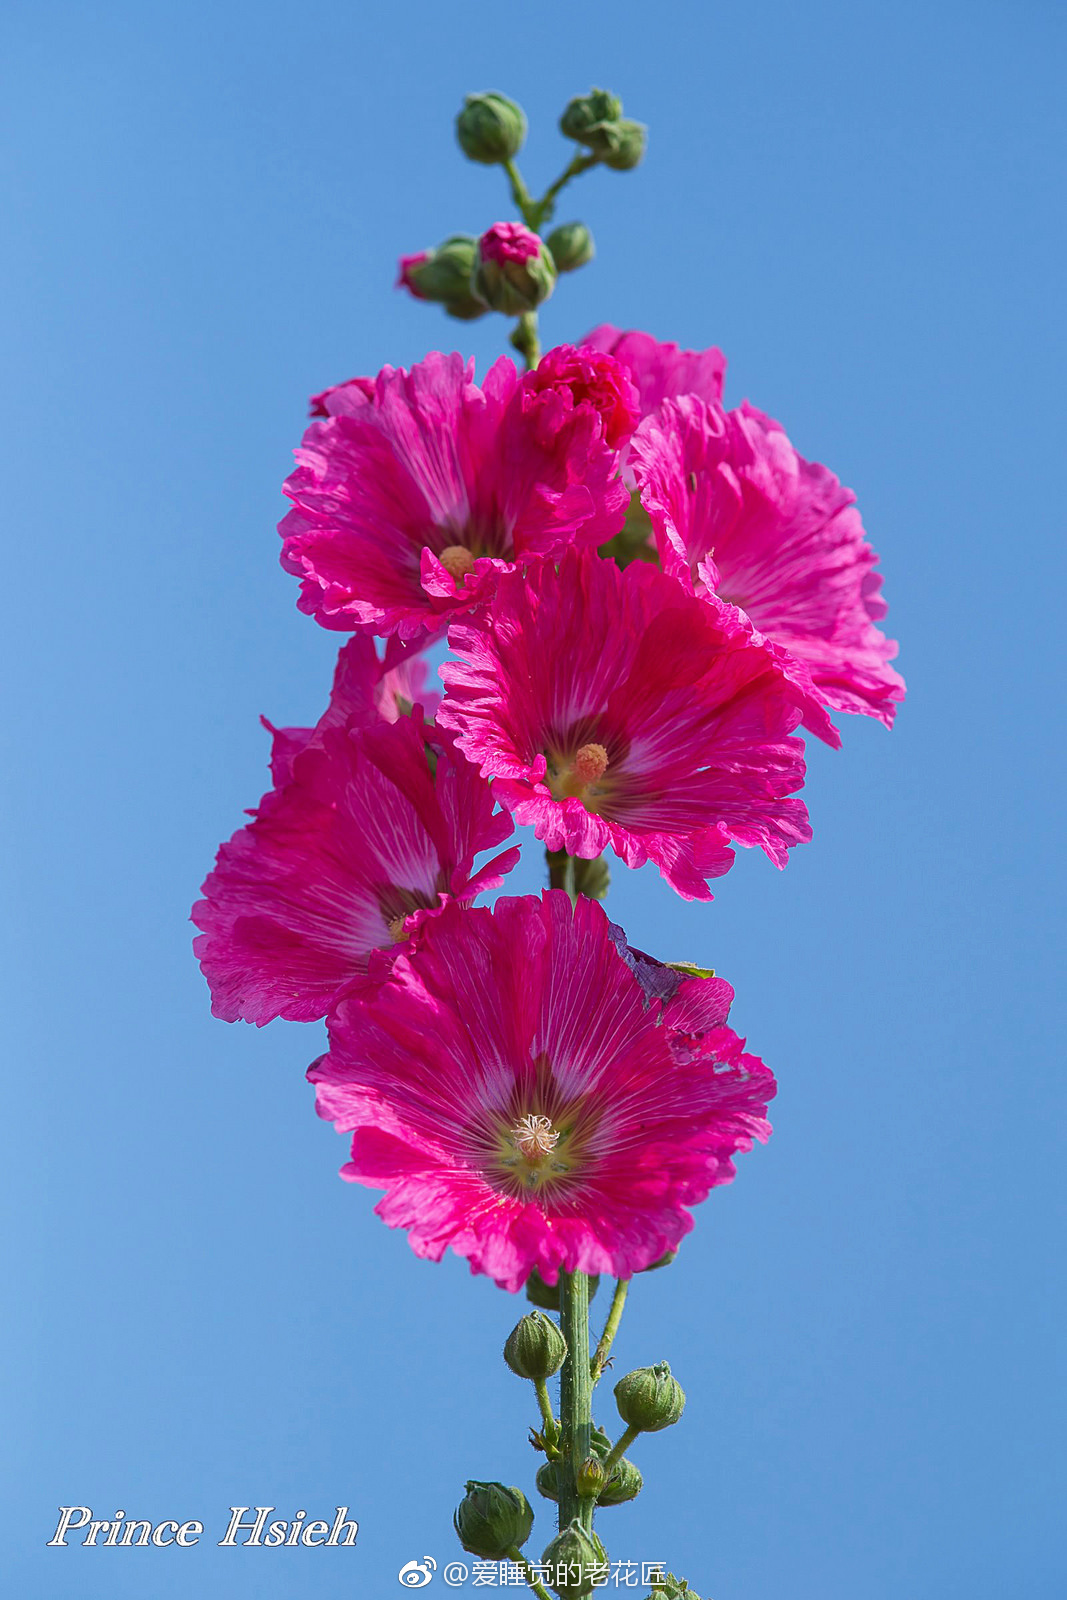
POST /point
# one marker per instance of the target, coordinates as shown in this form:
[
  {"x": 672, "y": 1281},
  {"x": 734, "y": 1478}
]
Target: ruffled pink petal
[{"x": 737, "y": 511}]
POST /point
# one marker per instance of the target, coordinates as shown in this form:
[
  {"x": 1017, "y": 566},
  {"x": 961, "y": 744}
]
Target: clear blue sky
[{"x": 202, "y": 208}]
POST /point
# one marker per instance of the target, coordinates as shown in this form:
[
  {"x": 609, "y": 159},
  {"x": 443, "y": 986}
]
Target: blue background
[{"x": 202, "y": 207}]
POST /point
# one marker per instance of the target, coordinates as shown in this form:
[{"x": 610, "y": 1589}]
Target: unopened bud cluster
[
  {"x": 510, "y": 268},
  {"x": 595, "y": 120},
  {"x": 623, "y": 1482}
]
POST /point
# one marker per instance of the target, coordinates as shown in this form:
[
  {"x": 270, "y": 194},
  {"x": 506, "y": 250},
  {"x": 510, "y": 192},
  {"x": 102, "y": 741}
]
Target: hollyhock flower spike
[
  {"x": 614, "y": 709},
  {"x": 737, "y": 512},
  {"x": 370, "y": 821},
  {"x": 407, "y": 508},
  {"x": 525, "y": 1103}
]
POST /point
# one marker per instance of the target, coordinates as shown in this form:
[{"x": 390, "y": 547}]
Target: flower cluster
[
  {"x": 646, "y": 598},
  {"x": 505, "y": 1078}
]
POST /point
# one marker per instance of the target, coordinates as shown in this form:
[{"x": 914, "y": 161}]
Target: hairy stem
[
  {"x": 611, "y": 1328},
  {"x": 575, "y": 1397},
  {"x": 550, "y": 1428}
]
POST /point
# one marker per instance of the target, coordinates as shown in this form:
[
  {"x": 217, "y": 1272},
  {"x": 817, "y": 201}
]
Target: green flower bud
[
  {"x": 546, "y": 1295},
  {"x": 585, "y": 117},
  {"x": 535, "y": 1347},
  {"x": 513, "y": 272},
  {"x": 443, "y": 276},
  {"x": 626, "y": 142},
  {"x": 589, "y": 1478},
  {"x": 576, "y": 1556},
  {"x": 490, "y": 128},
  {"x": 624, "y": 1483},
  {"x": 650, "y": 1399},
  {"x": 571, "y": 245},
  {"x": 492, "y": 1519}
]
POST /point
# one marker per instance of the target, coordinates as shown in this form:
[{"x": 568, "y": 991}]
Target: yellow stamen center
[
  {"x": 457, "y": 561},
  {"x": 578, "y": 777},
  {"x": 396, "y": 929},
  {"x": 590, "y": 763}
]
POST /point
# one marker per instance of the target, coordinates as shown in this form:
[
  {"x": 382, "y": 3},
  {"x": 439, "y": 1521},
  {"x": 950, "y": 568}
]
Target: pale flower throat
[{"x": 531, "y": 1154}]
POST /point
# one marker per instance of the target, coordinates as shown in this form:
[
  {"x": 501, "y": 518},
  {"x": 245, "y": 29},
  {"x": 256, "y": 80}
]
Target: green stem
[
  {"x": 550, "y": 1431},
  {"x": 526, "y": 340},
  {"x": 611, "y": 1328},
  {"x": 542, "y": 209},
  {"x": 618, "y": 1450},
  {"x": 521, "y": 195},
  {"x": 516, "y": 1555},
  {"x": 561, "y": 872},
  {"x": 575, "y": 1398}
]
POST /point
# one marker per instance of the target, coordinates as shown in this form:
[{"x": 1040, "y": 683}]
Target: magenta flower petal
[
  {"x": 615, "y": 709},
  {"x": 341, "y": 398},
  {"x": 524, "y": 1103},
  {"x": 357, "y": 835},
  {"x": 661, "y": 371},
  {"x": 736, "y": 510},
  {"x": 406, "y": 508}
]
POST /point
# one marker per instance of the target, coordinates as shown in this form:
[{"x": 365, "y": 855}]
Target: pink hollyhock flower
[
  {"x": 613, "y": 708},
  {"x": 524, "y": 1101},
  {"x": 661, "y": 371},
  {"x": 370, "y": 821},
  {"x": 408, "y": 508},
  {"x": 737, "y": 511}
]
